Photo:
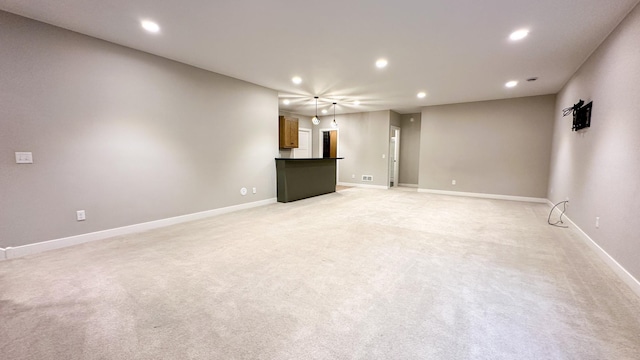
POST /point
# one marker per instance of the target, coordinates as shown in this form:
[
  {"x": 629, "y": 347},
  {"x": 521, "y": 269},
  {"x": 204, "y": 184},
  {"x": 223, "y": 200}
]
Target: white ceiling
[{"x": 455, "y": 50}]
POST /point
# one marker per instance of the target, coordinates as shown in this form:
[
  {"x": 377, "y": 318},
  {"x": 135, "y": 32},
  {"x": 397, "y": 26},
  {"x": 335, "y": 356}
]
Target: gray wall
[
  {"x": 598, "y": 168},
  {"x": 394, "y": 119},
  {"x": 409, "y": 148},
  {"x": 127, "y": 136},
  {"x": 493, "y": 147},
  {"x": 363, "y": 139}
]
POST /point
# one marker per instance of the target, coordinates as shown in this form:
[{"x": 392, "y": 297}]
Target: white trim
[
  {"x": 408, "y": 185},
  {"x": 368, "y": 186},
  {"x": 29, "y": 249},
  {"x": 485, "y": 196},
  {"x": 622, "y": 273},
  {"x": 3, "y": 254}
]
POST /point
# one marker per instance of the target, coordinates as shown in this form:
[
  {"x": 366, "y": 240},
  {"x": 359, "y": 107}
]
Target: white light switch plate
[{"x": 24, "y": 158}]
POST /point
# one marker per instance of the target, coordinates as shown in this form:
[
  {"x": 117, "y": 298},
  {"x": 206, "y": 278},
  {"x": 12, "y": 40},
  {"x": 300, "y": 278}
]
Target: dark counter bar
[{"x": 303, "y": 178}]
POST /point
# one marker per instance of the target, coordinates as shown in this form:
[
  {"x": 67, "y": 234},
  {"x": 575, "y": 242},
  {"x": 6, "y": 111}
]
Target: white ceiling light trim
[
  {"x": 511, "y": 84},
  {"x": 519, "y": 34},
  {"x": 421, "y": 95},
  {"x": 381, "y": 63},
  {"x": 150, "y": 26},
  {"x": 296, "y": 80}
]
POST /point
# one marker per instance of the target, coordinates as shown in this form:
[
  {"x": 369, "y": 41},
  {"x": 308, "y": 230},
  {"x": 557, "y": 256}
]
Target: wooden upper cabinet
[{"x": 288, "y": 132}]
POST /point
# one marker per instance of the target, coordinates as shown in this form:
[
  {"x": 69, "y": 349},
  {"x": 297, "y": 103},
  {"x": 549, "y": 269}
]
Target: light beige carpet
[{"x": 357, "y": 274}]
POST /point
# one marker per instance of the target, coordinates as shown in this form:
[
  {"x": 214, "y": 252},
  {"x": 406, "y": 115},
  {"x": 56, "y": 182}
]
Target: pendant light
[
  {"x": 334, "y": 123},
  {"x": 315, "y": 119}
]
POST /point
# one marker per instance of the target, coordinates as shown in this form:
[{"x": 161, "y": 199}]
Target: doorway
[
  {"x": 328, "y": 147},
  {"x": 394, "y": 156},
  {"x": 328, "y": 144}
]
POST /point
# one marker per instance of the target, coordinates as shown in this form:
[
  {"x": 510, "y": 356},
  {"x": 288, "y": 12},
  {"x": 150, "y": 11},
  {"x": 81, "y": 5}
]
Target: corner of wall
[{"x": 615, "y": 266}]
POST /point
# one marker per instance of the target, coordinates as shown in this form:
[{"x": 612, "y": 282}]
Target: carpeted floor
[{"x": 358, "y": 274}]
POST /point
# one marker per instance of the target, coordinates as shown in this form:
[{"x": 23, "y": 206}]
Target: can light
[
  {"x": 511, "y": 84},
  {"x": 519, "y": 34},
  {"x": 150, "y": 26}
]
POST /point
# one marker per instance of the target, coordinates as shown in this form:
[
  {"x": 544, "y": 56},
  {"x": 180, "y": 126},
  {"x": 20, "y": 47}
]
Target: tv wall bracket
[{"x": 581, "y": 115}]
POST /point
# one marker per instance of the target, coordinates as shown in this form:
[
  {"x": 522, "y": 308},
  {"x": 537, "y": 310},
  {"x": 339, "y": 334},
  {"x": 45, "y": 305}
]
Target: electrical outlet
[
  {"x": 597, "y": 222},
  {"x": 23, "y": 157},
  {"x": 353, "y": 176},
  {"x": 255, "y": 190},
  {"x": 453, "y": 182},
  {"x": 80, "y": 215}
]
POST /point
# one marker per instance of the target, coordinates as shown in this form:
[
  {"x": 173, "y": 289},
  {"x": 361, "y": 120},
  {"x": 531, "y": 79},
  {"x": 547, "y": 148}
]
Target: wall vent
[{"x": 367, "y": 177}]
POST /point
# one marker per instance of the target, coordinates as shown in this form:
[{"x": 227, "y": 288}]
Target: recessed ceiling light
[
  {"x": 324, "y": 111},
  {"x": 150, "y": 26},
  {"x": 296, "y": 79},
  {"x": 356, "y": 103},
  {"x": 511, "y": 84},
  {"x": 286, "y": 101},
  {"x": 519, "y": 34},
  {"x": 422, "y": 95},
  {"x": 381, "y": 63}
]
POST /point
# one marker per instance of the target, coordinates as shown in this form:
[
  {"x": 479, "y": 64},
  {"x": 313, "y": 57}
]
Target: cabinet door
[
  {"x": 293, "y": 133},
  {"x": 288, "y": 132}
]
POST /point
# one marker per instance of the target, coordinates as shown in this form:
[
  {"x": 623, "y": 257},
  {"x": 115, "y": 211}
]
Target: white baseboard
[
  {"x": 367, "y": 186},
  {"x": 485, "y": 196},
  {"x": 408, "y": 185},
  {"x": 618, "y": 269},
  {"x": 18, "y": 251}
]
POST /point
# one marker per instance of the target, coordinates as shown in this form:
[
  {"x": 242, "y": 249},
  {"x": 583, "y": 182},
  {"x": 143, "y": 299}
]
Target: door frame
[
  {"x": 320, "y": 147},
  {"x": 394, "y": 130}
]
